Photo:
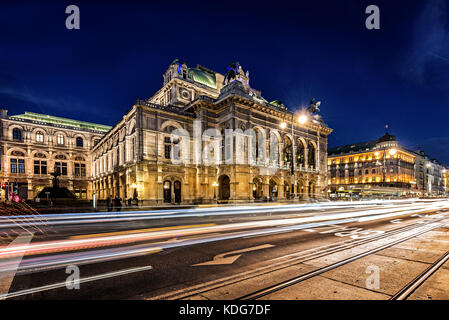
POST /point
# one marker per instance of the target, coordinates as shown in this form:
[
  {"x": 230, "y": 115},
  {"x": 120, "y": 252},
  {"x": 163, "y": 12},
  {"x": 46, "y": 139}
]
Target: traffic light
[
  {"x": 15, "y": 187},
  {"x": 4, "y": 186}
]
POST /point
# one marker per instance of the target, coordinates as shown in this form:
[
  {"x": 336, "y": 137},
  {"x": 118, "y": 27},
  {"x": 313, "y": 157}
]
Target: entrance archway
[
  {"x": 257, "y": 188},
  {"x": 273, "y": 190},
  {"x": 167, "y": 191},
  {"x": 224, "y": 188},
  {"x": 300, "y": 189},
  {"x": 177, "y": 191},
  {"x": 287, "y": 191},
  {"x": 311, "y": 190}
]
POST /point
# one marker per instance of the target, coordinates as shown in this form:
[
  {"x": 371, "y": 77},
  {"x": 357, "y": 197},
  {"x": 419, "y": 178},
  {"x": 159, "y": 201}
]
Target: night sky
[{"x": 398, "y": 75}]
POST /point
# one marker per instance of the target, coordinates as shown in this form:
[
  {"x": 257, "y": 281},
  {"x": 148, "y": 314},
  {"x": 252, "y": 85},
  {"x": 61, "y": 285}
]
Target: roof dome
[
  {"x": 204, "y": 77},
  {"x": 277, "y": 103},
  {"x": 386, "y": 137}
]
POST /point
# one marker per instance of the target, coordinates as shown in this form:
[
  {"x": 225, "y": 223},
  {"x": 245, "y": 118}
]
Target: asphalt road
[{"x": 242, "y": 252}]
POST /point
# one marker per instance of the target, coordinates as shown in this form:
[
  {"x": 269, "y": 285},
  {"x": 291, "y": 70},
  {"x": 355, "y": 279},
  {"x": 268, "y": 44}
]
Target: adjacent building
[
  {"x": 374, "y": 168},
  {"x": 383, "y": 168},
  {"x": 33, "y": 145},
  {"x": 430, "y": 175}
]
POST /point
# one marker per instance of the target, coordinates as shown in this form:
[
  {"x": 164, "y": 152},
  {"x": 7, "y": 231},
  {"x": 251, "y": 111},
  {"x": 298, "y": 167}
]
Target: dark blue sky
[{"x": 294, "y": 51}]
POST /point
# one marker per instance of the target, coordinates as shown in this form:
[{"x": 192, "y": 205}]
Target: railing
[{"x": 165, "y": 108}]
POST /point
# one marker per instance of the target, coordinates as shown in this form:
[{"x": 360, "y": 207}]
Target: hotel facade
[{"x": 382, "y": 168}]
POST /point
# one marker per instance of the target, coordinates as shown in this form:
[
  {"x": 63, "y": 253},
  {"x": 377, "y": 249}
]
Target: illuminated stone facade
[
  {"x": 135, "y": 158},
  {"x": 33, "y": 144},
  {"x": 373, "y": 168}
]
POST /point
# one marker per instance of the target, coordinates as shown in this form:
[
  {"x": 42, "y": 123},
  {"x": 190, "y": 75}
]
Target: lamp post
[
  {"x": 302, "y": 119},
  {"x": 215, "y": 185},
  {"x": 444, "y": 179},
  {"x": 135, "y": 195}
]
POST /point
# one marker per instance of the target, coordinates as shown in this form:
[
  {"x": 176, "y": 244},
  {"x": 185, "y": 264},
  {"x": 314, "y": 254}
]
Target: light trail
[
  {"x": 101, "y": 217},
  {"x": 110, "y": 240},
  {"x": 83, "y": 280},
  {"x": 206, "y": 233}
]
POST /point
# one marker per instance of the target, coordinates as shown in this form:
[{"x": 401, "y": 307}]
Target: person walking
[
  {"x": 119, "y": 204},
  {"x": 109, "y": 203}
]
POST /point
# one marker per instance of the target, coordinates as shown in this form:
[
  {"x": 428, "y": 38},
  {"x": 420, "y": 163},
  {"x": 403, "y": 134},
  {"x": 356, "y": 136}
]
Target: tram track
[
  {"x": 288, "y": 283},
  {"x": 411, "y": 287},
  {"x": 300, "y": 257}
]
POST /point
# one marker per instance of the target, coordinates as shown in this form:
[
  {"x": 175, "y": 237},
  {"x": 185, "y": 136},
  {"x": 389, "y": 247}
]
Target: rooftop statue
[
  {"x": 235, "y": 72},
  {"x": 232, "y": 72},
  {"x": 313, "y": 106}
]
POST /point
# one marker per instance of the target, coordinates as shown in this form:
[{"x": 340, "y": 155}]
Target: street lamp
[
  {"x": 215, "y": 185},
  {"x": 303, "y": 119},
  {"x": 444, "y": 179},
  {"x": 392, "y": 152}
]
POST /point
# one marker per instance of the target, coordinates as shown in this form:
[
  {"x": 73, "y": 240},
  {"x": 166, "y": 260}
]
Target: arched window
[
  {"x": 169, "y": 146},
  {"x": 60, "y": 139},
  {"x": 300, "y": 154},
  {"x": 39, "y": 137},
  {"x": 256, "y": 144},
  {"x": 167, "y": 191},
  {"x": 79, "y": 142},
  {"x": 311, "y": 156},
  {"x": 287, "y": 156},
  {"x": 274, "y": 149},
  {"x": 223, "y": 145},
  {"x": 17, "y": 134}
]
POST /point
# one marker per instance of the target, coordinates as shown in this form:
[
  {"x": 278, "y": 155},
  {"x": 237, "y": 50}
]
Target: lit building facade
[
  {"x": 445, "y": 172},
  {"x": 189, "y": 120},
  {"x": 33, "y": 145},
  {"x": 375, "y": 168},
  {"x": 431, "y": 175}
]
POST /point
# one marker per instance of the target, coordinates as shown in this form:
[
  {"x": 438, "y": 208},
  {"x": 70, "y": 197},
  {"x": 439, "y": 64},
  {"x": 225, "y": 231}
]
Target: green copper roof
[
  {"x": 61, "y": 121},
  {"x": 276, "y": 103},
  {"x": 203, "y": 77}
]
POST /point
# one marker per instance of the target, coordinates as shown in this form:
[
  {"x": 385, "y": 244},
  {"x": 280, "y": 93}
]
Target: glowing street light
[
  {"x": 303, "y": 119},
  {"x": 283, "y": 125},
  {"x": 392, "y": 151},
  {"x": 215, "y": 185}
]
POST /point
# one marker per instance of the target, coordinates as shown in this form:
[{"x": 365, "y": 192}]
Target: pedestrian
[
  {"x": 119, "y": 204},
  {"x": 129, "y": 201},
  {"x": 135, "y": 197},
  {"x": 114, "y": 202},
  {"x": 109, "y": 203}
]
